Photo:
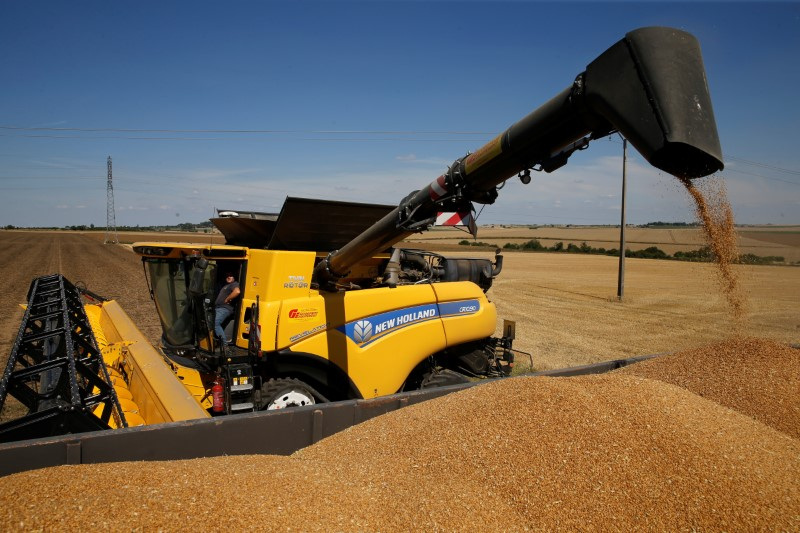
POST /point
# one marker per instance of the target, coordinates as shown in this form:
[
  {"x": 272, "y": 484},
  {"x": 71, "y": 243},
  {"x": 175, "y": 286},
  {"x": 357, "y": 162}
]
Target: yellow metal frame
[{"x": 157, "y": 394}]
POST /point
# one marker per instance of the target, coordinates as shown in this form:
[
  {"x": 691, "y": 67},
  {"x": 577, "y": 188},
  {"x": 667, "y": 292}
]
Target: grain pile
[
  {"x": 610, "y": 452},
  {"x": 757, "y": 377}
]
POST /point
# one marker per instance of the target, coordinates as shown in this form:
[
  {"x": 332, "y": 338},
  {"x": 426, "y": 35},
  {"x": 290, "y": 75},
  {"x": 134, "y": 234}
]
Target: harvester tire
[
  {"x": 283, "y": 393},
  {"x": 442, "y": 378}
]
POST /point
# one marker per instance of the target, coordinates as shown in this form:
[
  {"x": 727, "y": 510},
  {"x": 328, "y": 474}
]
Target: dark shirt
[{"x": 224, "y": 292}]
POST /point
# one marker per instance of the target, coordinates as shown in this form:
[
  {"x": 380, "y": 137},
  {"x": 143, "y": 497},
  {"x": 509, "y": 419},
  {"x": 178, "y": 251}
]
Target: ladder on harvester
[
  {"x": 56, "y": 369},
  {"x": 239, "y": 388}
]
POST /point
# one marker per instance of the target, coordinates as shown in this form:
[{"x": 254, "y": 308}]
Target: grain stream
[
  {"x": 716, "y": 216},
  {"x": 615, "y": 452}
]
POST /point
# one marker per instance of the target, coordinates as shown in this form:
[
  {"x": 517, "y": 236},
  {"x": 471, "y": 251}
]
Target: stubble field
[
  {"x": 565, "y": 305},
  {"x": 763, "y": 241},
  {"x": 702, "y": 439}
]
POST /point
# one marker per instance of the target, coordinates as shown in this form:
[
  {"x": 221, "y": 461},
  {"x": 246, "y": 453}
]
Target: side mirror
[{"x": 197, "y": 276}]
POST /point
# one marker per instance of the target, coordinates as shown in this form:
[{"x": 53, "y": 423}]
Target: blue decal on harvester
[
  {"x": 464, "y": 307},
  {"x": 369, "y": 329}
]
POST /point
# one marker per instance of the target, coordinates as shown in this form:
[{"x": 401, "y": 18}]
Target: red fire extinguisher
[{"x": 218, "y": 396}]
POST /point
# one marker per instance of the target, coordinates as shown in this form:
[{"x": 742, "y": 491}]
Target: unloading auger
[{"x": 650, "y": 87}]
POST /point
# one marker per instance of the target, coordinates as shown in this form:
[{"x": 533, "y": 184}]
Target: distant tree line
[
  {"x": 660, "y": 224},
  {"x": 184, "y": 226},
  {"x": 657, "y": 224},
  {"x": 704, "y": 254}
]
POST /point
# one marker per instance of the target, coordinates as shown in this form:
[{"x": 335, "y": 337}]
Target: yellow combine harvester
[
  {"x": 328, "y": 308},
  {"x": 299, "y": 344}
]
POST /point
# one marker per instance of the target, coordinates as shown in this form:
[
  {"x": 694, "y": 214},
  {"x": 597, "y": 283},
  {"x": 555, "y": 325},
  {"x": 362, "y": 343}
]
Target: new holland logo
[
  {"x": 362, "y": 331},
  {"x": 368, "y": 330}
]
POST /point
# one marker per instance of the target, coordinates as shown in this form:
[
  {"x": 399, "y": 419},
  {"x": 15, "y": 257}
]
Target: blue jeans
[{"x": 222, "y": 313}]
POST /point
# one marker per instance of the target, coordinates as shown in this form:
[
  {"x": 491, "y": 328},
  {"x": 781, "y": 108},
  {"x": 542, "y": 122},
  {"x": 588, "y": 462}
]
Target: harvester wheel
[
  {"x": 282, "y": 393},
  {"x": 442, "y": 378}
]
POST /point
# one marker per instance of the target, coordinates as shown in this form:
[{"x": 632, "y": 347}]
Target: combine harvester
[{"x": 333, "y": 314}]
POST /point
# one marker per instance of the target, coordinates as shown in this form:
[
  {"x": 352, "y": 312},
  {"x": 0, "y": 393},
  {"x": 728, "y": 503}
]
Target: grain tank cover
[
  {"x": 246, "y": 228},
  {"x": 307, "y": 224},
  {"x": 303, "y": 224}
]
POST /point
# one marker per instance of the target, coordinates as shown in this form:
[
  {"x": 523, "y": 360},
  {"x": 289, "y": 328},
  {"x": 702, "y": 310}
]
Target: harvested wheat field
[
  {"x": 112, "y": 271},
  {"x": 781, "y": 241},
  {"x": 703, "y": 439},
  {"x": 565, "y": 305},
  {"x": 611, "y": 452},
  {"x": 568, "y": 314}
]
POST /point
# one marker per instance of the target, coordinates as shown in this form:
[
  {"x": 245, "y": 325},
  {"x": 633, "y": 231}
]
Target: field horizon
[
  {"x": 761, "y": 240},
  {"x": 565, "y": 305}
]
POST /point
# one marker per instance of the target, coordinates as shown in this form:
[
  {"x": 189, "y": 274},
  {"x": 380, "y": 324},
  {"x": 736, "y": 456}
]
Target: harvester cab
[{"x": 183, "y": 284}]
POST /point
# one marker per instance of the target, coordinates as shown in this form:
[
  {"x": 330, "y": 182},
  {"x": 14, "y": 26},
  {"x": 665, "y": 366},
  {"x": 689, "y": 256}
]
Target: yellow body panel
[
  {"x": 273, "y": 276},
  {"x": 278, "y": 275},
  {"x": 154, "y": 388},
  {"x": 300, "y": 318},
  {"x": 466, "y": 324},
  {"x": 380, "y": 365},
  {"x": 192, "y": 381},
  {"x": 377, "y": 336}
]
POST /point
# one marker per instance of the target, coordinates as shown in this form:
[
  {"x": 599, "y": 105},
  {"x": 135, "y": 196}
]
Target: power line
[
  {"x": 282, "y": 137},
  {"x": 311, "y": 139},
  {"x": 144, "y": 181},
  {"x": 324, "y": 132},
  {"x": 764, "y": 165},
  {"x": 51, "y": 178},
  {"x": 747, "y": 162},
  {"x": 761, "y": 176}
]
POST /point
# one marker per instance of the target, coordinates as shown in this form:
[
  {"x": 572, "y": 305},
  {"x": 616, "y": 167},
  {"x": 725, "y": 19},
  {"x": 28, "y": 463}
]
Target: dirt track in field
[{"x": 111, "y": 271}]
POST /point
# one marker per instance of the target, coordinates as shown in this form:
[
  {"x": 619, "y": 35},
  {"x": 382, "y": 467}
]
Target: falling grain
[{"x": 716, "y": 215}]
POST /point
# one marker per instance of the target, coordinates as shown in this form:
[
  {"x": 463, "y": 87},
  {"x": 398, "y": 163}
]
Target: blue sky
[{"x": 236, "y": 105}]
